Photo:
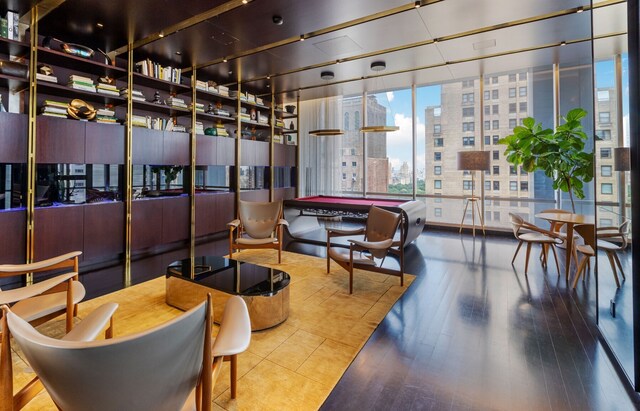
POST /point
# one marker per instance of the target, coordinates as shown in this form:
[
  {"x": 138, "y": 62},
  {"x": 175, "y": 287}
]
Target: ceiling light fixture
[
  {"x": 580, "y": 10},
  {"x": 379, "y": 129},
  {"x": 100, "y": 25},
  {"x": 178, "y": 53},
  {"x": 327, "y": 75},
  {"x": 378, "y": 65},
  {"x": 245, "y": 1},
  {"x": 417, "y": 4},
  {"x": 564, "y": 43},
  {"x": 224, "y": 60},
  {"x": 327, "y": 132},
  {"x": 277, "y": 20},
  {"x": 302, "y": 37},
  {"x": 161, "y": 35}
]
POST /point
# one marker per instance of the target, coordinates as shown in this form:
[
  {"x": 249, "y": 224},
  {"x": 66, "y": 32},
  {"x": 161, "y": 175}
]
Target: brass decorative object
[
  {"x": 81, "y": 110},
  {"x": 77, "y": 50}
]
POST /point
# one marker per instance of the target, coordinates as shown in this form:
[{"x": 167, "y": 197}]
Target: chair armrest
[
  {"x": 282, "y": 221},
  {"x": 615, "y": 234},
  {"x": 373, "y": 245},
  {"x": 18, "y": 294},
  {"x": 90, "y": 327},
  {"x": 537, "y": 229},
  {"x": 234, "y": 224},
  {"x": 335, "y": 232},
  {"x": 38, "y": 266}
]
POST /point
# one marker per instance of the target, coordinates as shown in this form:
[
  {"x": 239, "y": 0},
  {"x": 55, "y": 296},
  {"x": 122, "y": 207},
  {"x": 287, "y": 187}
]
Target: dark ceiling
[{"x": 474, "y": 37}]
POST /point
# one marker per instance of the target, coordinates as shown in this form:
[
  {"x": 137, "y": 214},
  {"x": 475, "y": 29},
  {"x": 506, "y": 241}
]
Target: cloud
[
  {"x": 390, "y": 96},
  {"x": 399, "y": 143}
]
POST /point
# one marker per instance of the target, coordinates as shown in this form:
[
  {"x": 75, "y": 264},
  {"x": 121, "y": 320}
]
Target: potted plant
[
  {"x": 170, "y": 174},
  {"x": 560, "y": 153}
]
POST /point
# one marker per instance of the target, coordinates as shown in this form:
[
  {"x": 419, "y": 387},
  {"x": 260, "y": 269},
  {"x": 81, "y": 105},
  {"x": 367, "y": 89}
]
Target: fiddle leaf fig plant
[{"x": 559, "y": 154}]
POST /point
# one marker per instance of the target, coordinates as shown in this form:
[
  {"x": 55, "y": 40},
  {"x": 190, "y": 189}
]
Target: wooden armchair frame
[
  {"x": 60, "y": 283},
  {"x": 544, "y": 238},
  {"x": 377, "y": 249}
]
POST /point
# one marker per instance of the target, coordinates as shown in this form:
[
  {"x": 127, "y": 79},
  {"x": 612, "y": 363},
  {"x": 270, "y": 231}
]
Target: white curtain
[{"x": 320, "y": 156}]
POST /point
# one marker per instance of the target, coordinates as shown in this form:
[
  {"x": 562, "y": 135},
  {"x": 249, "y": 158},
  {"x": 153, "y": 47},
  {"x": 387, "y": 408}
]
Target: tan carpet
[{"x": 293, "y": 366}]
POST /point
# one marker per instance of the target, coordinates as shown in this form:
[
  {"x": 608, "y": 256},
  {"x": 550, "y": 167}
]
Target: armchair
[
  {"x": 44, "y": 300},
  {"x": 529, "y": 233},
  {"x": 615, "y": 239},
  {"x": 377, "y": 243},
  {"x": 87, "y": 330},
  {"x": 259, "y": 225},
  {"x": 165, "y": 368}
]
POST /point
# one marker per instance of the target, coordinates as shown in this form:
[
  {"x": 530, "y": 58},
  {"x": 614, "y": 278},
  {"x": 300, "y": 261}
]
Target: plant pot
[{"x": 290, "y": 109}]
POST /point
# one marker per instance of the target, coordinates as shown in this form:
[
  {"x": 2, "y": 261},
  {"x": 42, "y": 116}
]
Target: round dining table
[{"x": 570, "y": 219}]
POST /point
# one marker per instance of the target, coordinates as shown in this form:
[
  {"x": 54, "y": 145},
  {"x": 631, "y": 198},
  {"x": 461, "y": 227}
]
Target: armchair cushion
[
  {"x": 342, "y": 255},
  {"x": 334, "y": 232},
  {"x": 255, "y": 241}
]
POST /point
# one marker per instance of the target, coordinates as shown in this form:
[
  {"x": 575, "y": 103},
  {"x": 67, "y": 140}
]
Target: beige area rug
[{"x": 293, "y": 366}]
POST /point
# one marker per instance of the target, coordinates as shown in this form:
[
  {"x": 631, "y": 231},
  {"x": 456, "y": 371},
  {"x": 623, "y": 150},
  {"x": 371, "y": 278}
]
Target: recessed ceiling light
[
  {"x": 178, "y": 53},
  {"x": 302, "y": 37},
  {"x": 417, "y": 4},
  {"x": 245, "y": 1},
  {"x": 100, "y": 25},
  {"x": 224, "y": 60},
  {"x": 277, "y": 20},
  {"x": 161, "y": 35},
  {"x": 230, "y": 72},
  {"x": 327, "y": 75},
  {"x": 564, "y": 43},
  {"x": 268, "y": 77},
  {"x": 378, "y": 65},
  {"x": 580, "y": 10}
]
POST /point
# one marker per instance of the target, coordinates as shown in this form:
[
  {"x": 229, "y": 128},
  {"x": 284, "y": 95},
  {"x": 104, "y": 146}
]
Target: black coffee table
[{"x": 264, "y": 289}]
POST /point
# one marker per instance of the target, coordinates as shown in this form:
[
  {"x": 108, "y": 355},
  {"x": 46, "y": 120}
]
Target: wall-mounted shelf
[
  {"x": 54, "y": 89},
  {"x": 215, "y": 117},
  {"x": 58, "y": 58},
  {"x": 160, "y": 108},
  {"x": 13, "y": 47},
  {"x": 164, "y": 85}
]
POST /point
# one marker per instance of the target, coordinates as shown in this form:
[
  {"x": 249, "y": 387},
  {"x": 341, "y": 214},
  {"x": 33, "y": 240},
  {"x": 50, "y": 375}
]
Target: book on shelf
[
  {"x": 199, "y": 128},
  {"x": 81, "y": 83},
  {"x": 176, "y": 103},
  {"x": 4, "y": 28},
  {"x": 221, "y": 112},
  {"x": 13, "y": 31},
  {"x": 199, "y": 107},
  {"x": 105, "y": 112},
  {"x": 44, "y": 77},
  {"x": 149, "y": 68},
  {"x": 259, "y": 101},
  {"x": 223, "y": 90},
  {"x": 278, "y": 138},
  {"x": 52, "y": 108},
  {"x": 262, "y": 119},
  {"x": 135, "y": 94},
  {"x": 201, "y": 85}
]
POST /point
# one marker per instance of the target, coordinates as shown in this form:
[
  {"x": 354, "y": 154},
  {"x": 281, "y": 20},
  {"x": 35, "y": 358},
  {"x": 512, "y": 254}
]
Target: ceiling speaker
[{"x": 327, "y": 75}]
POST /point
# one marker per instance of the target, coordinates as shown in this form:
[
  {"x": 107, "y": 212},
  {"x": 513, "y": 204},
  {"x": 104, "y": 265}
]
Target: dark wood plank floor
[{"x": 473, "y": 333}]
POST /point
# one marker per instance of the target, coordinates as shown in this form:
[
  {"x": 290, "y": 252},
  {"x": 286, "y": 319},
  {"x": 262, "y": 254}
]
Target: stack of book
[
  {"x": 245, "y": 117},
  {"x": 199, "y": 128},
  {"x": 81, "y": 83},
  {"x": 222, "y": 90},
  {"x": 108, "y": 89},
  {"x": 263, "y": 119},
  {"x": 251, "y": 98},
  {"x": 259, "y": 101},
  {"x": 221, "y": 131},
  {"x": 199, "y": 107},
  {"x": 9, "y": 27},
  {"x": 279, "y": 123},
  {"x": 179, "y": 127},
  {"x": 202, "y": 85},
  {"x": 221, "y": 112},
  {"x": 140, "y": 121},
  {"x": 45, "y": 77},
  {"x": 53, "y": 108},
  {"x": 177, "y": 103},
  {"x": 135, "y": 94},
  {"x": 106, "y": 116},
  {"x": 150, "y": 68},
  {"x": 278, "y": 138}
]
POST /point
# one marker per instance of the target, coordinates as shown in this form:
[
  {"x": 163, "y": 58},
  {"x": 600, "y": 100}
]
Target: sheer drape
[{"x": 320, "y": 156}]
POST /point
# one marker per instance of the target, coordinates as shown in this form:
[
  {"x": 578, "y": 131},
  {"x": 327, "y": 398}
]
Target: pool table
[{"x": 414, "y": 212}]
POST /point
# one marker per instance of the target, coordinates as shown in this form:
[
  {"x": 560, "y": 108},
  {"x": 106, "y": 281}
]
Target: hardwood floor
[{"x": 472, "y": 332}]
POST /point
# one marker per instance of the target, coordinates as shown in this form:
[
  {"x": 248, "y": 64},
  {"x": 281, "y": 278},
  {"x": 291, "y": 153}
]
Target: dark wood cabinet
[
  {"x": 254, "y": 153},
  {"x": 284, "y": 155},
  {"x": 60, "y": 140},
  {"x": 58, "y": 230},
  {"x": 175, "y": 219},
  {"x": 225, "y": 151},
  {"x": 206, "y": 214},
  {"x": 104, "y": 144},
  {"x": 13, "y": 241},
  {"x": 176, "y": 148},
  {"x": 147, "y": 146},
  {"x": 104, "y": 231},
  {"x": 255, "y": 195},
  {"x": 13, "y": 138},
  {"x": 146, "y": 223},
  {"x": 206, "y": 150},
  {"x": 225, "y": 210}
]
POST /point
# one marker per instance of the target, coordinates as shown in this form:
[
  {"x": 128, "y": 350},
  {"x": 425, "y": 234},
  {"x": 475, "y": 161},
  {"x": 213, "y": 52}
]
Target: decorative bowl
[
  {"x": 77, "y": 50},
  {"x": 290, "y": 109},
  {"x": 81, "y": 110}
]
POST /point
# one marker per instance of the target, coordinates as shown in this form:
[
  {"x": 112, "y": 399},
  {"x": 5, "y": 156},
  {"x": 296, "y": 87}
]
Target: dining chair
[
  {"x": 370, "y": 252},
  {"x": 560, "y": 229},
  {"x": 165, "y": 368},
  {"x": 616, "y": 241},
  {"x": 47, "y": 299},
  {"x": 87, "y": 330},
  {"x": 531, "y": 234},
  {"x": 259, "y": 225},
  {"x": 588, "y": 250},
  {"x": 233, "y": 337}
]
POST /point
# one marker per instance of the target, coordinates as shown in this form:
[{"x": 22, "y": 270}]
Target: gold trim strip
[
  {"x": 238, "y": 138},
  {"x": 298, "y": 140},
  {"x": 31, "y": 143},
  {"x": 129, "y": 168},
  {"x": 271, "y": 145},
  {"x": 446, "y": 63},
  {"x": 185, "y": 24},
  {"x": 192, "y": 185},
  {"x": 482, "y": 30}
]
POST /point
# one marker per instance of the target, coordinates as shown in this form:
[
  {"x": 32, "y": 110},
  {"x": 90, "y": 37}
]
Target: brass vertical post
[
  {"x": 622, "y": 180},
  {"x": 482, "y": 147},
  {"x": 192, "y": 162},
  {"x": 238, "y": 135},
  {"x": 364, "y": 145},
  {"x": 298, "y": 141},
  {"x": 271, "y": 146},
  {"x": 31, "y": 144},
  {"x": 128, "y": 168}
]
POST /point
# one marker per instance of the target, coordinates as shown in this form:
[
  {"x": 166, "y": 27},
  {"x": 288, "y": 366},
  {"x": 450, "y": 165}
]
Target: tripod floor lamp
[{"x": 473, "y": 161}]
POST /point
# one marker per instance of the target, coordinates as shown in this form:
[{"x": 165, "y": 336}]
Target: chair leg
[
  {"x": 328, "y": 245},
  {"x": 526, "y": 261},
  {"x": 555, "y": 256},
  {"x": 280, "y": 245},
  {"x": 615, "y": 257},
  {"x": 544, "y": 256},
  {"x": 516, "y": 253},
  {"x": 579, "y": 271},
  {"x": 70, "y": 307},
  {"x": 230, "y": 244},
  {"x": 234, "y": 375},
  {"x": 613, "y": 268},
  {"x": 6, "y": 368}
]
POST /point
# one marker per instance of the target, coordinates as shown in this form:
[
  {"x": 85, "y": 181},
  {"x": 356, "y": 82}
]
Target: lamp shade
[
  {"x": 474, "y": 160},
  {"x": 622, "y": 159}
]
